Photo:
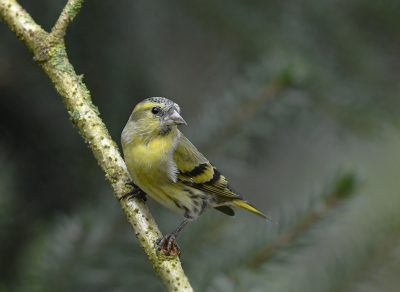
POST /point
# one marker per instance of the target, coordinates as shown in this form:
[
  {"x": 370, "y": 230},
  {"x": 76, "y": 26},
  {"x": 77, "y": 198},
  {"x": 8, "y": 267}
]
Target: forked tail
[{"x": 247, "y": 206}]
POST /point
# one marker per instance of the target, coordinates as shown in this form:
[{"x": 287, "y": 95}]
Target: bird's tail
[{"x": 249, "y": 207}]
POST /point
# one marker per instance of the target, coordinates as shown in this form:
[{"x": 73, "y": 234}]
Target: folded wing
[{"x": 196, "y": 171}]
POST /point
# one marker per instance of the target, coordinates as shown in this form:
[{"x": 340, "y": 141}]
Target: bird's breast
[
  {"x": 155, "y": 164},
  {"x": 151, "y": 162}
]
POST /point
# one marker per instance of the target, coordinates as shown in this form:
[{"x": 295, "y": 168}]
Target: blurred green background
[{"x": 296, "y": 102}]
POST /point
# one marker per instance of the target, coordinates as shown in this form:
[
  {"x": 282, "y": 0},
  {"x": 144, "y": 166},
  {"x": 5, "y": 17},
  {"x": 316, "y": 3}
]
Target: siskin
[{"x": 165, "y": 165}]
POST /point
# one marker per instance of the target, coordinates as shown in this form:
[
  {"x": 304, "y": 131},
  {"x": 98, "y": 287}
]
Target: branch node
[{"x": 42, "y": 54}]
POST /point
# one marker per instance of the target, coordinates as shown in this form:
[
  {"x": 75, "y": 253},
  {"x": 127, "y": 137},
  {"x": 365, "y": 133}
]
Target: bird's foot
[
  {"x": 168, "y": 245},
  {"x": 136, "y": 192}
]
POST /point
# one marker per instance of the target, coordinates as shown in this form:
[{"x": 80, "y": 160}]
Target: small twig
[{"x": 67, "y": 15}]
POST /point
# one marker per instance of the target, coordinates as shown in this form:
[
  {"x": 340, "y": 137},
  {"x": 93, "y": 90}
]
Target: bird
[{"x": 165, "y": 165}]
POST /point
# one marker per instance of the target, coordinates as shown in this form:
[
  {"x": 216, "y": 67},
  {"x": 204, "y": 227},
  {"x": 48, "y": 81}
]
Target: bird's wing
[{"x": 196, "y": 171}]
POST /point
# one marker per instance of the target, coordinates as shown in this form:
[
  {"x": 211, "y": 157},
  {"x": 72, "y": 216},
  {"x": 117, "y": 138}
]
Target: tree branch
[{"x": 49, "y": 51}]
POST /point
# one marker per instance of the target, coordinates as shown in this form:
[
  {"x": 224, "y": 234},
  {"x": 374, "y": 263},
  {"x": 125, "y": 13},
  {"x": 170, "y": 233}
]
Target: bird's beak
[{"x": 174, "y": 119}]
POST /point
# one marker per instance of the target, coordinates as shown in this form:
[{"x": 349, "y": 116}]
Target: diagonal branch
[
  {"x": 22, "y": 24},
  {"x": 49, "y": 51}
]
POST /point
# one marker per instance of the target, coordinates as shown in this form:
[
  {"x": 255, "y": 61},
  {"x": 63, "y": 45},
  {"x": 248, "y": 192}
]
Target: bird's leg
[
  {"x": 136, "y": 192},
  {"x": 168, "y": 244}
]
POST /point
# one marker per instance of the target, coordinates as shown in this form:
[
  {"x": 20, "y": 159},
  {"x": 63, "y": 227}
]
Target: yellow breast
[{"x": 152, "y": 160}]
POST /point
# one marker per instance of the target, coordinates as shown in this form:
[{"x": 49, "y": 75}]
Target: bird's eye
[{"x": 155, "y": 110}]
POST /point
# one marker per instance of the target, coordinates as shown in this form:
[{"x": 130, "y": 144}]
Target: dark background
[{"x": 296, "y": 102}]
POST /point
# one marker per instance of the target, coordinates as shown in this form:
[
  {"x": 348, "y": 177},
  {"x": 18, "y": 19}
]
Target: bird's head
[{"x": 155, "y": 116}]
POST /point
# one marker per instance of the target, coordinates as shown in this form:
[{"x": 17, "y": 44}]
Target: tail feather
[{"x": 247, "y": 206}]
